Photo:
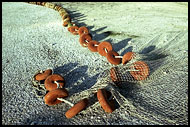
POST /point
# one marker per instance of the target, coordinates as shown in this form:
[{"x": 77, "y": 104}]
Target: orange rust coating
[
  {"x": 76, "y": 108},
  {"x": 51, "y": 97},
  {"x": 143, "y": 70},
  {"x": 104, "y": 102},
  {"x": 92, "y": 47},
  {"x": 111, "y": 57},
  {"x": 73, "y": 30},
  {"x": 127, "y": 57},
  {"x": 84, "y": 38},
  {"x": 44, "y": 75},
  {"x": 83, "y": 30},
  {"x": 49, "y": 82},
  {"x": 102, "y": 46}
]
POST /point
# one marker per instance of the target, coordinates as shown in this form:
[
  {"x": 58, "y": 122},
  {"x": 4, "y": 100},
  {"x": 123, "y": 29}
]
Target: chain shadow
[
  {"x": 122, "y": 44},
  {"x": 76, "y": 77},
  {"x": 79, "y": 18}
]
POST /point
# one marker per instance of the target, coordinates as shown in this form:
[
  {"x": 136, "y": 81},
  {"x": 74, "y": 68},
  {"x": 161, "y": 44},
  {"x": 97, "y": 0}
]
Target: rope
[
  {"x": 39, "y": 89},
  {"x": 61, "y": 99}
]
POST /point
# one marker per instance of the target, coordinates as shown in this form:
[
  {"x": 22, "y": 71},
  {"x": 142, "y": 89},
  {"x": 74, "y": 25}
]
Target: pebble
[{"x": 129, "y": 42}]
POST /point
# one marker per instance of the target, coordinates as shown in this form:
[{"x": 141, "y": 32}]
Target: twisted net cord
[{"x": 38, "y": 88}]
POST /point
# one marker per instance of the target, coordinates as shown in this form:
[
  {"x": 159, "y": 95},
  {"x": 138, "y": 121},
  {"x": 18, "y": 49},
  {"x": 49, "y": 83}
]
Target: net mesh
[
  {"x": 160, "y": 98},
  {"x": 150, "y": 87}
]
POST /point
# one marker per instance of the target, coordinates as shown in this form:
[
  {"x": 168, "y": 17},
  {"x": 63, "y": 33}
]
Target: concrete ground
[{"x": 33, "y": 38}]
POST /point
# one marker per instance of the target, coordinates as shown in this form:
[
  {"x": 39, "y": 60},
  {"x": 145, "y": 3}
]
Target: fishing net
[
  {"x": 160, "y": 97},
  {"x": 153, "y": 88}
]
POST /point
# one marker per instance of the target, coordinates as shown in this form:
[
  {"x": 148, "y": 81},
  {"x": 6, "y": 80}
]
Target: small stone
[
  {"x": 185, "y": 51},
  {"x": 83, "y": 78}
]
